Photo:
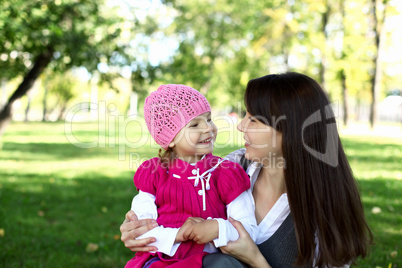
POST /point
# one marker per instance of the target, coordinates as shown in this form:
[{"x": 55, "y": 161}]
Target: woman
[{"x": 307, "y": 204}]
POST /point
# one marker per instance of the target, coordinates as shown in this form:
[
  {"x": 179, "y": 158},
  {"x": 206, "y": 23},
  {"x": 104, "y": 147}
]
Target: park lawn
[{"x": 61, "y": 205}]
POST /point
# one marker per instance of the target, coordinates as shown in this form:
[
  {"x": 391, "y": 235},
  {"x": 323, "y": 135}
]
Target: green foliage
[
  {"x": 63, "y": 86},
  {"x": 216, "y": 51},
  {"x": 57, "y": 198},
  {"x": 60, "y": 89},
  {"x": 81, "y": 33},
  {"x": 223, "y": 42}
]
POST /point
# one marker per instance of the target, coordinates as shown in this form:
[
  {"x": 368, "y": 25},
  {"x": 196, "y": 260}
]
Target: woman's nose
[{"x": 240, "y": 126}]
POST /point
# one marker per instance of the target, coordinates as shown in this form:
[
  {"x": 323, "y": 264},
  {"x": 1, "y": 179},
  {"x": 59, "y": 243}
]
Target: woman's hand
[
  {"x": 184, "y": 230},
  {"x": 131, "y": 228},
  {"x": 244, "y": 248}
]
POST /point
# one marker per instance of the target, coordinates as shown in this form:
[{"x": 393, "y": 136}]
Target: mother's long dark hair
[{"x": 322, "y": 192}]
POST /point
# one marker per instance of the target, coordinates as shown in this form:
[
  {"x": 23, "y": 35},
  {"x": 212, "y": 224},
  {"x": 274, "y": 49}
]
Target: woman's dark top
[{"x": 280, "y": 249}]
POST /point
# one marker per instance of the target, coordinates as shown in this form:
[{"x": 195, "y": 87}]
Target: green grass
[{"x": 56, "y": 198}]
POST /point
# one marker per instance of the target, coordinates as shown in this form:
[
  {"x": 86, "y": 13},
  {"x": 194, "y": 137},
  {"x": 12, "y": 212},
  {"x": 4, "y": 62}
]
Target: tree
[
  {"x": 58, "y": 34},
  {"x": 325, "y": 16},
  {"x": 223, "y": 45},
  {"x": 211, "y": 37},
  {"x": 62, "y": 87},
  {"x": 341, "y": 71},
  {"x": 376, "y": 75}
]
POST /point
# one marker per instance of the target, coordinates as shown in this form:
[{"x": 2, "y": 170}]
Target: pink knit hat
[{"x": 170, "y": 108}]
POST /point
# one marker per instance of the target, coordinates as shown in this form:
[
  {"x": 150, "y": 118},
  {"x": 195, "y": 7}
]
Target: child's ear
[{"x": 172, "y": 144}]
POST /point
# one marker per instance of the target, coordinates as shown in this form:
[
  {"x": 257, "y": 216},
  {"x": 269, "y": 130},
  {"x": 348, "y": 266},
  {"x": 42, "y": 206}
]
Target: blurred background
[{"x": 74, "y": 75}]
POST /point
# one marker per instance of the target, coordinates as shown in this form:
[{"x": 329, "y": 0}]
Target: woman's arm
[{"x": 244, "y": 248}]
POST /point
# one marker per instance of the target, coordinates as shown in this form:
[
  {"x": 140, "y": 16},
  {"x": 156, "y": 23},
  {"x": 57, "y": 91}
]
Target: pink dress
[{"x": 183, "y": 190}]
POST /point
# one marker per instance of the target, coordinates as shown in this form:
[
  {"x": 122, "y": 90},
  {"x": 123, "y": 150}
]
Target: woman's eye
[{"x": 251, "y": 119}]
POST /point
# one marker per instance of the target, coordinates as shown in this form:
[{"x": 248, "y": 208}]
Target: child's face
[{"x": 195, "y": 139}]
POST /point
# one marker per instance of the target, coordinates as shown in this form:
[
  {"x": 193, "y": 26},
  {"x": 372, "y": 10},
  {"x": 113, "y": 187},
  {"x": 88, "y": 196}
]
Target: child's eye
[
  {"x": 209, "y": 120},
  {"x": 194, "y": 125}
]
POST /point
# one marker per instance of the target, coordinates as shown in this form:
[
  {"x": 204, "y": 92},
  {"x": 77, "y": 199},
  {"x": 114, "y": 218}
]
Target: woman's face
[{"x": 263, "y": 143}]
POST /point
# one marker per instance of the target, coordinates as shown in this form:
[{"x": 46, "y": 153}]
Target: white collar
[{"x": 193, "y": 164}]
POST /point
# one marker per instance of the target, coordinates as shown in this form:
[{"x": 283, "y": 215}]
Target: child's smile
[
  {"x": 195, "y": 139},
  {"x": 206, "y": 140}
]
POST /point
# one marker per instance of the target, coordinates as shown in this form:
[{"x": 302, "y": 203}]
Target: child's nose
[{"x": 208, "y": 126}]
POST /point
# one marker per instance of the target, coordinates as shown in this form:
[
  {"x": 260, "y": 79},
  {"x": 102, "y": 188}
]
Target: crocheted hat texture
[{"x": 170, "y": 108}]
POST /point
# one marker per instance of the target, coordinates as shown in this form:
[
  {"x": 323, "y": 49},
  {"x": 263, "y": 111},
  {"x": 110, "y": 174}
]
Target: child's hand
[
  {"x": 202, "y": 232},
  {"x": 188, "y": 223}
]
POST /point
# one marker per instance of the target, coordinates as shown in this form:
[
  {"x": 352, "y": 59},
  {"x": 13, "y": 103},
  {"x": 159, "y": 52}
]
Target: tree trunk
[
  {"x": 44, "y": 104},
  {"x": 323, "y": 64},
  {"x": 287, "y": 60},
  {"x": 41, "y": 63},
  {"x": 28, "y": 108},
  {"x": 61, "y": 113},
  {"x": 342, "y": 74},
  {"x": 374, "y": 89},
  {"x": 377, "y": 71},
  {"x": 3, "y": 99},
  {"x": 322, "y": 72},
  {"x": 344, "y": 98},
  {"x": 357, "y": 109}
]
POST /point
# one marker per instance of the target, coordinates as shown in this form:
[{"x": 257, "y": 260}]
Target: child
[{"x": 187, "y": 181}]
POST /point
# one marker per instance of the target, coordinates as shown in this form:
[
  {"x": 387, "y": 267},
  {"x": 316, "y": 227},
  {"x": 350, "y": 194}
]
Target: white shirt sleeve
[
  {"x": 241, "y": 209},
  {"x": 144, "y": 207}
]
